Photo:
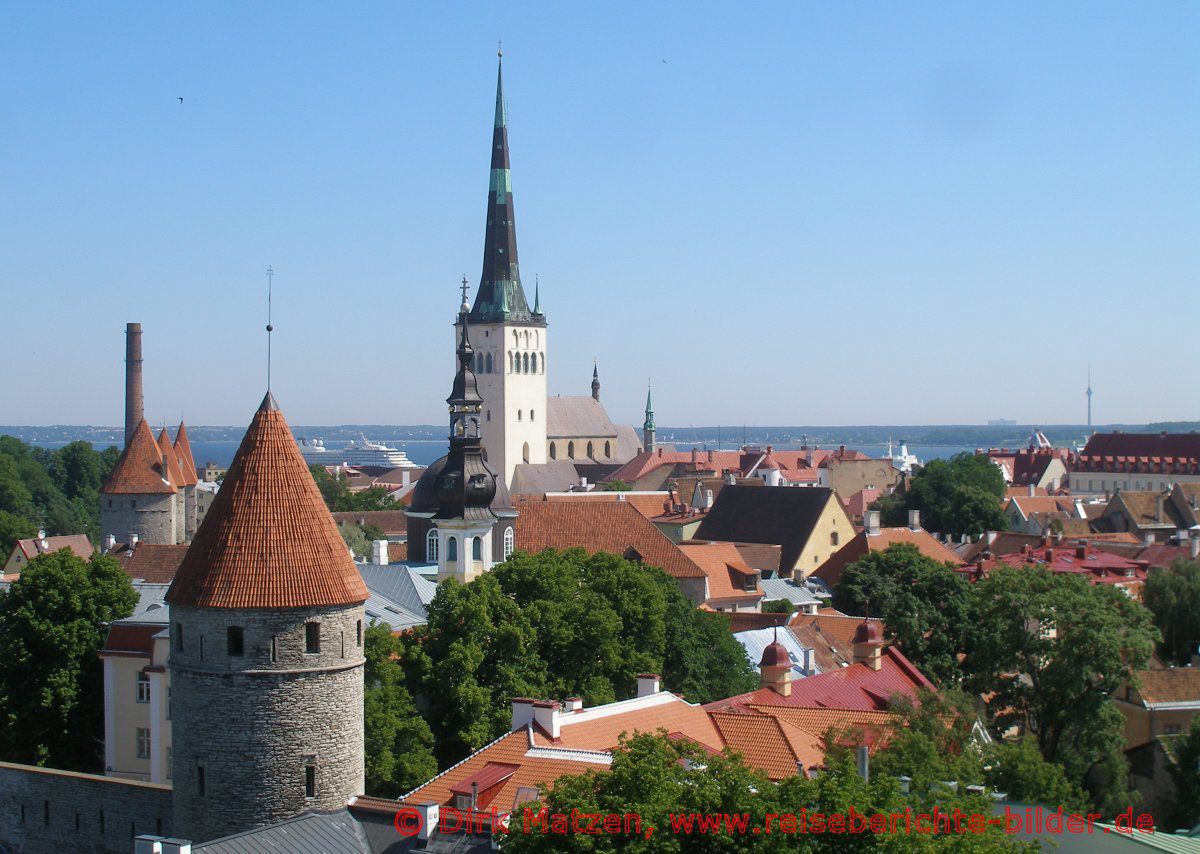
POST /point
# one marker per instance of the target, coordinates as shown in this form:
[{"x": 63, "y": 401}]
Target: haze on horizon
[{"x": 810, "y": 214}]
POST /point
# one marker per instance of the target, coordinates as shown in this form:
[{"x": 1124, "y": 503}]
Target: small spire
[
  {"x": 501, "y": 111},
  {"x": 595, "y": 380},
  {"x": 270, "y": 328},
  {"x": 537, "y": 296}
]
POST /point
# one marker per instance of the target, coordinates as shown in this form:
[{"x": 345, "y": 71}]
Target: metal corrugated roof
[
  {"x": 785, "y": 588},
  {"x": 754, "y": 641}
]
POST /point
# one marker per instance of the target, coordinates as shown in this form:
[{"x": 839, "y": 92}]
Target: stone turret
[
  {"x": 139, "y": 497},
  {"x": 266, "y": 653},
  {"x": 187, "y": 463}
]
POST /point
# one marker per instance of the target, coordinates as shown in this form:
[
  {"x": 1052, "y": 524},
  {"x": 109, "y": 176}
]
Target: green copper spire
[
  {"x": 649, "y": 424},
  {"x": 537, "y": 295}
]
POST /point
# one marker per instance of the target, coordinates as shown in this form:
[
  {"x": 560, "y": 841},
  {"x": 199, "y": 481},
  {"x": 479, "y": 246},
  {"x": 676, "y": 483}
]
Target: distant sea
[{"x": 424, "y": 452}]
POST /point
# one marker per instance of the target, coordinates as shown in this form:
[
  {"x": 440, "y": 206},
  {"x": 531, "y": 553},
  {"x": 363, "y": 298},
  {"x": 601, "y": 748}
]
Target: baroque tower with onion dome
[{"x": 266, "y": 655}]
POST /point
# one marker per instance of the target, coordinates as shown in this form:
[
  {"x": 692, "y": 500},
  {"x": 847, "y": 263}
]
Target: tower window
[
  {"x": 431, "y": 545},
  {"x": 310, "y": 781},
  {"x": 553, "y": 451},
  {"x": 519, "y": 415},
  {"x": 488, "y": 414},
  {"x": 343, "y": 644},
  {"x": 571, "y": 450},
  {"x": 608, "y": 449},
  {"x": 525, "y": 451},
  {"x": 508, "y": 542},
  {"x": 477, "y": 548},
  {"x": 533, "y": 361},
  {"x": 235, "y": 641},
  {"x": 358, "y": 632},
  {"x": 525, "y": 361},
  {"x": 201, "y": 647},
  {"x": 488, "y": 363},
  {"x": 312, "y": 637},
  {"x": 589, "y": 450},
  {"x": 531, "y": 415},
  {"x": 451, "y": 549},
  {"x": 274, "y": 653}
]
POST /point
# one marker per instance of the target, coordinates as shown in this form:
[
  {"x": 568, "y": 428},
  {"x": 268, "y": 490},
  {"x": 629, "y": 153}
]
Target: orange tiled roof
[
  {"x": 183, "y": 451},
  {"x": 139, "y": 469},
  {"x": 268, "y": 540},
  {"x": 79, "y": 544},
  {"x": 170, "y": 461},
  {"x": 1176, "y": 685},
  {"x": 769, "y": 743},
  {"x": 831, "y": 570},
  {"x": 598, "y": 526},
  {"x": 838, "y": 626},
  {"x": 722, "y": 562},
  {"x": 667, "y": 711},
  {"x": 876, "y": 727}
]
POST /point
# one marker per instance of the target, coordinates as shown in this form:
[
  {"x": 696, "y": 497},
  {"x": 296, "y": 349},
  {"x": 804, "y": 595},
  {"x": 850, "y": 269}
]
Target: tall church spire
[
  {"x": 595, "y": 382},
  {"x": 500, "y": 297}
]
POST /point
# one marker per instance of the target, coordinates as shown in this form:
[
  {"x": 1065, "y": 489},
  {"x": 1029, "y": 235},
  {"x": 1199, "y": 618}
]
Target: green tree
[
  {"x": 76, "y": 469},
  {"x": 397, "y": 741},
  {"x": 52, "y": 623},
  {"x": 936, "y": 741},
  {"x": 961, "y": 495},
  {"x": 1049, "y": 649},
  {"x": 656, "y": 777},
  {"x": 55, "y": 490},
  {"x": 1018, "y": 769},
  {"x": 355, "y": 539},
  {"x": 600, "y": 619},
  {"x": 335, "y": 490},
  {"x": 1185, "y": 774},
  {"x": 13, "y": 528},
  {"x": 925, "y": 606},
  {"x": 1173, "y": 597},
  {"x": 777, "y": 606},
  {"x": 616, "y": 486}
]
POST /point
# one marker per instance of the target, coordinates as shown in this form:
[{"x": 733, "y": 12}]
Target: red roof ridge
[
  {"x": 170, "y": 461},
  {"x": 187, "y": 462},
  {"x": 268, "y": 541}
]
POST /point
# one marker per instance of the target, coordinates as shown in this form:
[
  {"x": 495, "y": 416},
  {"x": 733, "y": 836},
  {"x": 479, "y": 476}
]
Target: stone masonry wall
[
  {"x": 254, "y": 724},
  {"x": 42, "y": 809},
  {"x": 155, "y": 518}
]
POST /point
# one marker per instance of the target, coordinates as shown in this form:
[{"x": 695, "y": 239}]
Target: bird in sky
[{"x": 181, "y": 100}]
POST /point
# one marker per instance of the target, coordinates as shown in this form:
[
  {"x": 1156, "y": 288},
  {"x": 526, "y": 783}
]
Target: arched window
[
  {"x": 553, "y": 451},
  {"x": 533, "y": 363},
  {"x": 571, "y": 450},
  {"x": 510, "y": 361},
  {"x": 535, "y": 339},
  {"x": 526, "y": 336},
  {"x": 488, "y": 363},
  {"x": 525, "y": 362},
  {"x": 431, "y": 545},
  {"x": 235, "y": 641},
  {"x": 477, "y": 548},
  {"x": 543, "y": 363},
  {"x": 516, "y": 339},
  {"x": 451, "y": 549},
  {"x": 519, "y": 414},
  {"x": 590, "y": 452},
  {"x": 525, "y": 451},
  {"x": 608, "y": 449},
  {"x": 508, "y": 542}
]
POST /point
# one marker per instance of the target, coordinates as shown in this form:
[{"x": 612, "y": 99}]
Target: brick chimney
[
  {"x": 134, "y": 402},
  {"x": 868, "y": 645}
]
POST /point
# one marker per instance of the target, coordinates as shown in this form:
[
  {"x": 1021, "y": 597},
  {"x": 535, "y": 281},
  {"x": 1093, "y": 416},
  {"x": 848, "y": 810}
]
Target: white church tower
[{"x": 509, "y": 337}]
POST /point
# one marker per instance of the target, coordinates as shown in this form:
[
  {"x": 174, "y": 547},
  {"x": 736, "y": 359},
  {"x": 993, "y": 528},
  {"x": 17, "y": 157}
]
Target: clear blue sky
[{"x": 817, "y": 213}]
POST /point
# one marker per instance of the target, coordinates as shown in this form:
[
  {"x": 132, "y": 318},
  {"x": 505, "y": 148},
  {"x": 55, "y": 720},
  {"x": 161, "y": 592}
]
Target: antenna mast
[{"x": 270, "y": 328}]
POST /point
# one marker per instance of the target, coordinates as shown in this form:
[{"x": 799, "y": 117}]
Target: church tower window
[
  {"x": 553, "y": 451},
  {"x": 489, "y": 363},
  {"x": 508, "y": 542},
  {"x": 525, "y": 447},
  {"x": 431, "y": 545},
  {"x": 451, "y": 549},
  {"x": 477, "y": 548},
  {"x": 608, "y": 449},
  {"x": 571, "y": 450},
  {"x": 590, "y": 451}
]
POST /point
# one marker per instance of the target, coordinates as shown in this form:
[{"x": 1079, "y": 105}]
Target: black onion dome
[{"x": 424, "y": 495}]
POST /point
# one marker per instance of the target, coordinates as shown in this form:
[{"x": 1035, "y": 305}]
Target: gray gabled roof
[
  {"x": 312, "y": 833},
  {"x": 786, "y": 588},
  {"x": 398, "y": 594},
  {"x": 577, "y": 418}
]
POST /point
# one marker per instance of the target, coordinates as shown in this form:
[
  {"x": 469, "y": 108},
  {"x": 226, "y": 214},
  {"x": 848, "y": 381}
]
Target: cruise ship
[{"x": 362, "y": 452}]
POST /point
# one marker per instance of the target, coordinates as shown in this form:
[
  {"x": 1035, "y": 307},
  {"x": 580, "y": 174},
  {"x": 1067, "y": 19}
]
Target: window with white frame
[
  {"x": 143, "y": 743},
  {"x": 431, "y": 545},
  {"x": 508, "y": 542},
  {"x": 143, "y": 687}
]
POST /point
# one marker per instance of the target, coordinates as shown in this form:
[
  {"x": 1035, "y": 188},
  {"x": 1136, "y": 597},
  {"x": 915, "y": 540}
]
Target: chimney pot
[
  {"x": 1032, "y": 490},
  {"x": 522, "y": 713},
  {"x": 647, "y": 684},
  {"x": 545, "y": 715},
  {"x": 133, "y": 539},
  {"x": 379, "y": 552},
  {"x": 914, "y": 520},
  {"x": 871, "y": 517}
]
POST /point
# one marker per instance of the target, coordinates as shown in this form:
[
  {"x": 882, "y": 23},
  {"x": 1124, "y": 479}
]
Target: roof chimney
[
  {"x": 133, "y": 539},
  {"x": 868, "y": 645},
  {"x": 1032, "y": 490},
  {"x": 573, "y": 704},
  {"x": 379, "y": 552},
  {"x": 1148, "y": 538},
  {"x": 522, "y": 713},
  {"x": 914, "y": 520},
  {"x": 647, "y": 684},
  {"x": 545, "y": 715},
  {"x": 1195, "y": 545},
  {"x": 110, "y": 541},
  {"x": 134, "y": 402},
  {"x": 871, "y": 520}
]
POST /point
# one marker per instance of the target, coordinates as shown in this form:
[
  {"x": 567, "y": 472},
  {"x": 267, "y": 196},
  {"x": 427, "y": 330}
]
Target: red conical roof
[
  {"x": 170, "y": 461},
  {"x": 139, "y": 469},
  {"x": 268, "y": 541},
  {"x": 183, "y": 451}
]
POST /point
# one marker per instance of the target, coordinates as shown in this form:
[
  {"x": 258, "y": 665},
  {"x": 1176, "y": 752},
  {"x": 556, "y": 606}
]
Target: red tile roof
[
  {"x": 1098, "y": 565},
  {"x": 769, "y": 743},
  {"x": 152, "y": 563},
  {"x": 598, "y": 526},
  {"x": 139, "y": 469},
  {"x": 79, "y": 544},
  {"x": 726, "y": 570},
  {"x": 170, "y": 461},
  {"x": 131, "y": 638},
  {"x": 183, "y": 451},
  {"x": 268, "y": 540},
  {"x": 855, "y": 687},
  {"x": 1175, "y": 685}
]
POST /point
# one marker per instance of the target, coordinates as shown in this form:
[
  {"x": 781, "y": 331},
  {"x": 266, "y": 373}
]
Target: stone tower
[
  {"x": 510, "y": 338},
  {"x": 648, "y": 425},
  {"x": 266, "y": 653},
  {"x": 140, "y": 496}
]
